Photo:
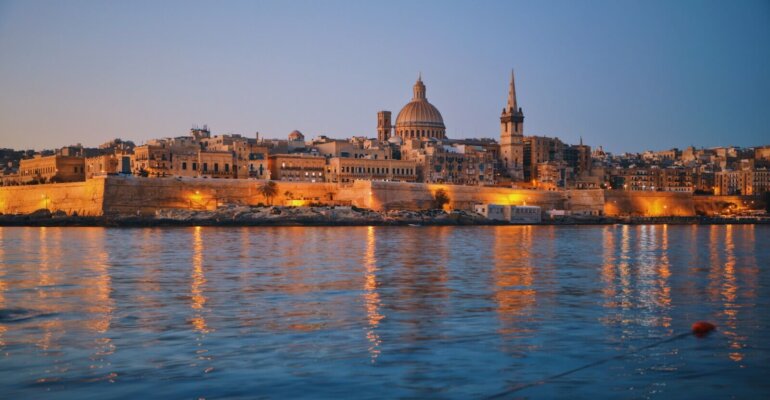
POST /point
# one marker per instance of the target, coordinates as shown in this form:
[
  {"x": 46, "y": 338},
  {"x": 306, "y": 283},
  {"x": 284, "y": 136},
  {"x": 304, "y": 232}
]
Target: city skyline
[{"x": 661, "y": 81}]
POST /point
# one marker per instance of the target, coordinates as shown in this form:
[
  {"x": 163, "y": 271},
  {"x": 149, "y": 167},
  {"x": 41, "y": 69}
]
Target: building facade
[{"x": 51, "y": 169}]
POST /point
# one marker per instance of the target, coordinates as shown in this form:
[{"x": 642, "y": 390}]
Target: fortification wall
[
  {"x": 134, "y": 195},
  {"x": 715, "y": 205},
  {"x": 83, "y": 198},
  {"x": 585, "y": 201},
  {"x": 653, "y": 204},
  {"x": 415, "y": 196},
  {"x": 131, "y": 195}
]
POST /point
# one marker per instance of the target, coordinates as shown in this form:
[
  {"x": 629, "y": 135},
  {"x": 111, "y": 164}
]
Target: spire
[
  {"x": 419, "y": 89},
  {"x": 512, "y": 106}
]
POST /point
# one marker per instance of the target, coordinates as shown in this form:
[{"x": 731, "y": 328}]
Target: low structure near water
[{"x": 510, "y": 213}]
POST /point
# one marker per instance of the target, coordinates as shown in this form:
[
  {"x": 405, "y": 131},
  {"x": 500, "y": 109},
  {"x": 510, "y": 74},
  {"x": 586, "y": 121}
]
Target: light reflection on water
[{"x": 373, "y": 312}]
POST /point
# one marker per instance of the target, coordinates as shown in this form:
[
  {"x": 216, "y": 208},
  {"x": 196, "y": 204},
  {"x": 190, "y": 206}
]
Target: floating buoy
[{"x": 702, "y": 328}]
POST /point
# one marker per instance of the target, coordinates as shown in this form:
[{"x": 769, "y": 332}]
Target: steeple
[
  {"x": 512, "y": 106},
  {"x": 419, "y": 89}
]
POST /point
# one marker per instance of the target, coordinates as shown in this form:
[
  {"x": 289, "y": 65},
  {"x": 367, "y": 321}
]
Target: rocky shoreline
[{"x": 232, "y": 215}]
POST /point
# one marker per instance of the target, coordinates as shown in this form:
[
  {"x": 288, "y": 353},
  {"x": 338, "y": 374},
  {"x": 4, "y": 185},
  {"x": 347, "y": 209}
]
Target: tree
[
  {"x": 268, "y": 190},
  {"x": 440, "y": 198}
]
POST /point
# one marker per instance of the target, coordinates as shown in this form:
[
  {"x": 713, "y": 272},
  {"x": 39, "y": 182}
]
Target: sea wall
[
  {"x": 131, "y": 195},
  {"x": 652, "y": 204},
  {"x": 144, "y": 196},
  {"x": 715, "y": 205},
  {"x": 415, "y": 196},
  {"x": 83, "y": 198}
]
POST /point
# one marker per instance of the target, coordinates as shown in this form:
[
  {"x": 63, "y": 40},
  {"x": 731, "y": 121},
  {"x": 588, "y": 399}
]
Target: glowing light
[{"x": 297, "y": 203}]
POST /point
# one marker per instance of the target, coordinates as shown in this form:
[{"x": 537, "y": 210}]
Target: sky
[{"x": 626, "y": 75}]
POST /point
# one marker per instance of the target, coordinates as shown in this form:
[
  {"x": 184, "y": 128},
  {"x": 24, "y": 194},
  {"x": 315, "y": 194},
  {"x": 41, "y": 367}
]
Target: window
[
  {"x": 195, "y": 166},
  {"x": 205, "y": 167},
  {"x": 216, "y": 167},
  {"x": 184, "y": 165},
  {"x": 227, "y": 167}
]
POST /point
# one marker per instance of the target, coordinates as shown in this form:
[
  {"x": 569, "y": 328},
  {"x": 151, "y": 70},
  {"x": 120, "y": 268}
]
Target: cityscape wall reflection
[{"x": 373, "y": 312}]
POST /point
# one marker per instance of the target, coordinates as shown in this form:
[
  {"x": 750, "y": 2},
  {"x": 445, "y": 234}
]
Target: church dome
[
  {"x": 419, "y": 118},
  {"x": 420, "y": 113},
  {"x": 295, "y": 136}
]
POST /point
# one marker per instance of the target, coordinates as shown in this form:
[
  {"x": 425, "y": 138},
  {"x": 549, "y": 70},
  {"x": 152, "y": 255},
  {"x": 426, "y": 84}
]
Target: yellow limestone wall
[
  {"x": 133, "y": 195},
  {"x": 415, "y": 196},
  {"x": 652, "y": 204},
  {"x": 714, "y": 205},
  {"x": 83, "y": 198}
]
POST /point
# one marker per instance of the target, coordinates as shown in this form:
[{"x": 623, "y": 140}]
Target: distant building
[
  {"x": 537, "y": 150},
  {"x": 347, "y": 170},
  {"x": 102, "y": 165},
  {"x": 512, "y": 136},
  {"x": 510, "y": 213},
  {"x": 51, "y": 169},
  {"x": 296, "y": 167}
]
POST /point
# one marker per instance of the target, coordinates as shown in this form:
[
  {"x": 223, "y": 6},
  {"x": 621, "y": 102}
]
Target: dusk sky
[{"x": 628, "y": 75}]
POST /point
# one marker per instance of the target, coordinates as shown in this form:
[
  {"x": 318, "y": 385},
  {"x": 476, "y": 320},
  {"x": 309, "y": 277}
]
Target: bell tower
[
  {"x": 384, "y": 126},
  {"x": 512, "y": 136}
]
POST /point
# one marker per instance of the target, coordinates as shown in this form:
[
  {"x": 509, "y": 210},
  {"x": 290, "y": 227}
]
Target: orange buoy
[{"x": 702, "y": 328}]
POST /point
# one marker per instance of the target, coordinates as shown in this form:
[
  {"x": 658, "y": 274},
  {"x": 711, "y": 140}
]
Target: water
[{"x": 384, "y": 312}]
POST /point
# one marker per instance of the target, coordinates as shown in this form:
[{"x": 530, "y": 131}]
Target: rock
[
  {"x": 40, "y": 214},
  {"x": 59, "y": 214}
]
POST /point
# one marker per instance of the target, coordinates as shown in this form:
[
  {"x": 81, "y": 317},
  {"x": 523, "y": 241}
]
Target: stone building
[
  {"x": 384, "y": 126},
  {"x": 152, "y": 159},
  {"x": 216, "y": 164},
  {"x": 441, "y": 161},
  {"x": 347, "y": 170},
  {"x": 745, "y": 182},
  {"x": 297, "y": 167},
  {"x": 102, "y": 165},
  {"x": 579, "y": 158},
  {"x": 537, "y": 150},
  {"x": 512, "y": 136},
  {"x": 51, "y": 169},
  {"x": 352, "y": 148}
]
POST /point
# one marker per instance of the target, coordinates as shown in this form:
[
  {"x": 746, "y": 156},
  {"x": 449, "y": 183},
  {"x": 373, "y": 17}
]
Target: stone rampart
[
  {"x": 651, "y": 204},
  {"x": 715, "y": 205},
  {"x": 133, "y": 195},
  {"x": 83, "y": 198},
  {"x": 415, "y": 196}
]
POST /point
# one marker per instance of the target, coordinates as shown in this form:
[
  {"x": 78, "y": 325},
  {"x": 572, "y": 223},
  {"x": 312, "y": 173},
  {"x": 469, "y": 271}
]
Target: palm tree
[{"x": 268, "y": 190}]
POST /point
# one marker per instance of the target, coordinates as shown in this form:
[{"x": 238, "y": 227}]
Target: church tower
[
  {"x": 512, "y": 136},
  {"x": 383, "y": 126}
]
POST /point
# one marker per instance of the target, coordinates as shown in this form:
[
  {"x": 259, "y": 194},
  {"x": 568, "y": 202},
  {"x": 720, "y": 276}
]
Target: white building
[{"x": 512, "y": 214}]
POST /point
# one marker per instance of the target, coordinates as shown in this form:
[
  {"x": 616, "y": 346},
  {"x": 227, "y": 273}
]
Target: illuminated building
[{"x": 51, "y": 169}]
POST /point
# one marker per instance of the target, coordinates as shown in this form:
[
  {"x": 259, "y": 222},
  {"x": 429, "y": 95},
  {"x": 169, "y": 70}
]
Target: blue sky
[{"x": 628, "y": 75}]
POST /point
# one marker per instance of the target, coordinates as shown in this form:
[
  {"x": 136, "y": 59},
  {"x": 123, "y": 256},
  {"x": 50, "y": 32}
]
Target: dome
[
  {"x": 419, "y": 118},
  {"x": 296, "y": 136},
  {"x": 420, "y": 113}
]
